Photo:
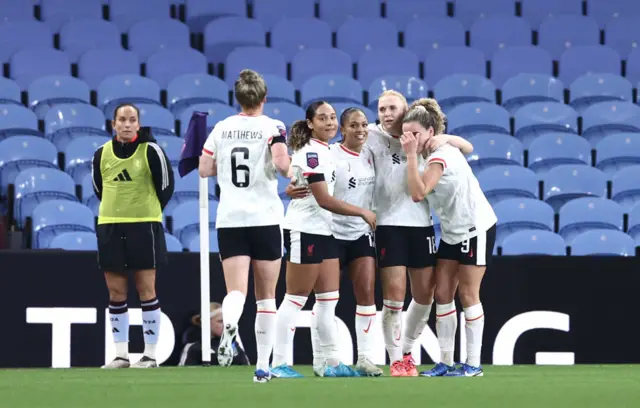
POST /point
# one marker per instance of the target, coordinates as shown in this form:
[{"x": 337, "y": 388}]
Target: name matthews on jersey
[{"x": 242, "y": 134}]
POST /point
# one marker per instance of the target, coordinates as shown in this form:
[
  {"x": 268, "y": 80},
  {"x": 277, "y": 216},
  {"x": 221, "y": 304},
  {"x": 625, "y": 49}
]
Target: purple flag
[{"x": 193, "y": 142}]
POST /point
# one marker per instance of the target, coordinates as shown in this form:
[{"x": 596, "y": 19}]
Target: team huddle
[{"x": 360, "y": 205}]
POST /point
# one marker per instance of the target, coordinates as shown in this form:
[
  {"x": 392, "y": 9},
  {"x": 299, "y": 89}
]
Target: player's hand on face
[
  {"x": 370, "y": 218},
  {"x": 409, "y": 143},
  {"x": 296, "y": 192},
  {"x": 436, "y": 142}
]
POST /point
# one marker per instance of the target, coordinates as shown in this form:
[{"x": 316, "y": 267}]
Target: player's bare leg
[
  {"x": 362, "y": 272},
  {"x": 394, "y": 286},
  {"x": 151, "y": 315},
  {"x": 446, "y": 318},
  {"x": 265, "y": 277},
  {"x": 117, "y": 284},
  {"x": 236, "y": 277},
  {"x": 422, "y": 289}
]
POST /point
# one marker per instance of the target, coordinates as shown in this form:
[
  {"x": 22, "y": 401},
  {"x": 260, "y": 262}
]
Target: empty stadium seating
[{"x": 546, "y": 91}]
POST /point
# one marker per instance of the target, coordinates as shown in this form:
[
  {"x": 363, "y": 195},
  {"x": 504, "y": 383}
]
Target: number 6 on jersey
[{"x": 239, "y": 172}]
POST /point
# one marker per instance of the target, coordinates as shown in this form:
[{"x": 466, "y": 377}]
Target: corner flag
[{"x": 193, "y": 142}]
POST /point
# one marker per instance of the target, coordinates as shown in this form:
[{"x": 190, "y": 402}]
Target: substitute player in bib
[
  {"x": 468, "y": 226},
  {"x": 312, "y": 258},
  {"x": 405, "y": 237},
  {"x": 245, "y": 151}
]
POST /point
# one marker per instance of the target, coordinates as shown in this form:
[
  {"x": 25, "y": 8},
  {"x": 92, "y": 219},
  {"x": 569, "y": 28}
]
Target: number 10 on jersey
[{"x": 239, "y": 172}]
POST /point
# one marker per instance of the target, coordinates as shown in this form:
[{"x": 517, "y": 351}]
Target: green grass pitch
[{"x": 578, "y": 386}]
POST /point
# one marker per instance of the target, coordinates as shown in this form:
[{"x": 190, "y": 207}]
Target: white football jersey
[
  {"x": 457, "y": 199},
  {"x": 305, "y": 215},
  {"x": 241, "y": 146},
  {"x": 392, "y": 200},
  {"x": 355, "y": 179}
]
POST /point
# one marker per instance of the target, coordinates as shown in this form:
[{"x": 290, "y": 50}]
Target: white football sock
[
  {"x": 151, "y": 315},
  {"x": 316, "y": 344},
  {"x": 286, "y": 327},
  {"x": 327, "y": 328},
  {"x": 265, "y": 329},
  {"x": 365, "y": 319},
  {"x": 446, "y": 326},
  {"x": 392, "y": 328},
  {"x": 417, "y": 318},
  {"x": 119, "y": 317},
  {"x": 232, "y": 306},
  {"x": 474, "y": 327}
]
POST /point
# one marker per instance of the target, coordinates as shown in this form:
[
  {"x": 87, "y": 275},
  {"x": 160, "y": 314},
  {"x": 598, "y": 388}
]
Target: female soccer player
[
  {"x": 245, "y": 151},
  {"x": 468, "y": 226},
  {"x": 312, "y": 259},
  {"x": 405, "y": 238}
]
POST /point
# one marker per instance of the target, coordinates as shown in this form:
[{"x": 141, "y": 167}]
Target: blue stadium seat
[
  {"x": 30, "y": 64},
  {"x": 492, "y": 33},
  {"x": 194, "y": 245},
  {"x": 200, "y": 12},
  {"x": 406, "y": 12},
  {"x": 18, "y": 35},
  {"x": 445, "y": 61},
  {"x": 431, "y": 33},
  {"x": 535, "y": 12},
  {"x": 259, "y": 58},
  {"x": 331, "y": 88},
  {"x": 517, "y": 214},
  {"x": 603, "y": 242},
  {"x": 170, "y": 63},
  {"x": 634, "y": 223},
  {"x": 37, "y": 185},
  {"x": 283, "y": 111},
  {"x": 78, "y": 155},
  {"x": 271, "y": 12},
  {"x": 478, "y": 117},
  {"x": 158, "y": 118},
  {"x": 11, "y": 10},
  {"x": 524, "y": 89},
  {"x": 469, "y": 11},
  {"x": 79, "y": 36},
  {"x": 411, "y": 87},
  {"x": 586, "y": 213},
  {"x": 398, "y": 62},
  {"x": 606, "y": 118},
  {"x": 128, "y": 88},
  {"x": 457, "y": 89},
  {"x": 553, "y": 149},
  {"x": 625, "y": 187},
  {"x": 336, "y": 12},
  {"x": 309, "y": 63},
  {"x": 559, "y": 33},
  {"x": 586, "y": 59},
  {"x": 538, "y": 118},
  {"x": 216, "y": 112},
  {"x": 633, "y": 66},
  {"x": 75, "y": 241},
  {"x": 534, "y": 242},
  {"x": 606, "y": 11},
  {"x": 568, "y": 181},
  {"x": 55, "y": 217},
  {"x": 64, "y": 122},
  {"x": 97, "y": 64},
  {"x": 341, "y": 107},
  {"x": 187, "y": 189},
  {"x": 279, "y": 89},
  {"x": 173, "y": 244},
  {"x": 57, "y": 12},
  {"x": 359, "y": 35},
  {"x": 9, "y": 92},
  {"x": 17, "y": 120},
  {"x": 494, "y": 149},
  {"x": 283, "y": 182},
  {"x": 293, "y": 35},
  {"x": 53, "y": 90},
  {"x": 172, "y": 146},
  {"x": 601, "y": 87},
  {"x": 622, "y": 34},
  {"x": 88, "y": 195},
  {"x": 527, "y": 60},
  {"x": 148, "y": 36},
  {"x": 186, "y": 220},
  {"x": 618, "y": 151},
  {"x": 19, "y": 153},
  {"x": 191, "y": 89},
  {"x": 503, "y": 182},
  {"x": 222, "y": 36},
  {"x": 125, "y": 13}
]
